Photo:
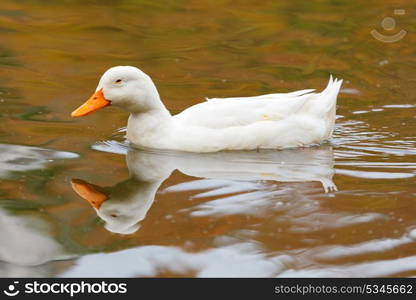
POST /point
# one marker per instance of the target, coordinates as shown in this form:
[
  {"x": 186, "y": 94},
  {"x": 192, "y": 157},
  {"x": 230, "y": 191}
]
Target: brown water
[{"x": 171, "y": 214}]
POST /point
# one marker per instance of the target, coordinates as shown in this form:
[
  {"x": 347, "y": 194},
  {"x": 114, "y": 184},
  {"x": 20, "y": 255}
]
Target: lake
[{"x": 343, "y": 209}]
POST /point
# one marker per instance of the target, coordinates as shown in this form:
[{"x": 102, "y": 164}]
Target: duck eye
[{"x": 118, "y": 81}]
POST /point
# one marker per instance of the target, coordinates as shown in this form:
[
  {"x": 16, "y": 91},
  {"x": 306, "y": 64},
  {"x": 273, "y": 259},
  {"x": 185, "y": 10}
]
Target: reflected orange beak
[
  {"x": 88, "y": 192},
  {"x": 96, "y": 102}
]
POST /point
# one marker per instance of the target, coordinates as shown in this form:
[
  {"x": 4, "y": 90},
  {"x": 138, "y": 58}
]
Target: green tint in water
[{"x": 225, "y": 214}]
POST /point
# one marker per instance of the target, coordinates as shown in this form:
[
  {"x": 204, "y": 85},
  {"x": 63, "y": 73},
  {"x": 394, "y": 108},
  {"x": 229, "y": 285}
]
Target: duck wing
[{"x": 240, "y": 111}]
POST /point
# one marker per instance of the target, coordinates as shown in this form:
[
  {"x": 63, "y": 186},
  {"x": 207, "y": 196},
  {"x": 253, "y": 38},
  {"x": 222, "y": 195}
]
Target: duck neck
[
  {"x": 156, "y": 106},
  {"x": 147, "y": 128}
]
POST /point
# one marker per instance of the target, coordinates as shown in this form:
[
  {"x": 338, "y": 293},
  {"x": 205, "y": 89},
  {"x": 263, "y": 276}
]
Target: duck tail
[{"x": 328, "y": 97}]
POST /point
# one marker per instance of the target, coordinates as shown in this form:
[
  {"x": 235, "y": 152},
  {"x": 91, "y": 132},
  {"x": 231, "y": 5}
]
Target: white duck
[{"x": 273, "y": 121}]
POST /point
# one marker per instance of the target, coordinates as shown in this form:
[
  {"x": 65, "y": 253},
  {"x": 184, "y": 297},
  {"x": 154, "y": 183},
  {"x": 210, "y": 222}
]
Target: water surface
[{"x": 345, "y": 208}]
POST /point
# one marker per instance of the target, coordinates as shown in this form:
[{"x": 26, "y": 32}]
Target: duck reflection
[{"x": 124, "y": 205}]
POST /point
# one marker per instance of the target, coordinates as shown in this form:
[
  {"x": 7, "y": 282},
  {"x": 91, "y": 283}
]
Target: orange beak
[
  {"x": 96, "y": 102},
  {"x": 88, "y": 192}
]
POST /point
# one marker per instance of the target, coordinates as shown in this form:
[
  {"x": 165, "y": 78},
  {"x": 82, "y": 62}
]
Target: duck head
[
  {"x": 123, "y": 86},
  {"x": 120, "y": 207}
]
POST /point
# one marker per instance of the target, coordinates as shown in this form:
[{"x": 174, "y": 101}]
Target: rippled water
[{"x": 345, "y": 208}]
